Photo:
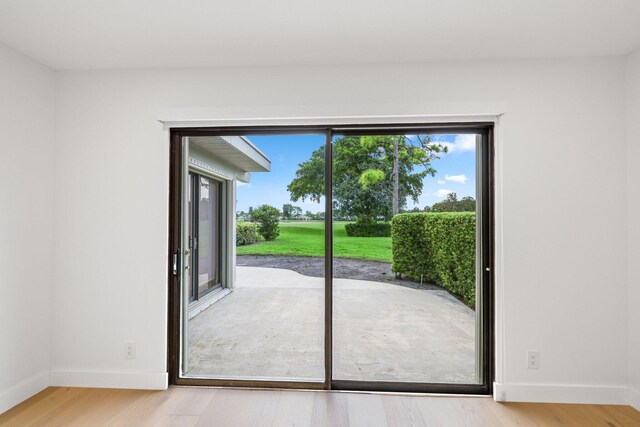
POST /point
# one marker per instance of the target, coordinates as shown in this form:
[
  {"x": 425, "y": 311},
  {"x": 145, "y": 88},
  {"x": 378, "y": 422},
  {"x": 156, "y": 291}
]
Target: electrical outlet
[
  {"x": 533, "y": 360},
  {"x": 130, "y": 350}
]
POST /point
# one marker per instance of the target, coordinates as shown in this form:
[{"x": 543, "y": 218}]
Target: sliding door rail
[
  {"x": 410, "y": 387},
  {"x": 280, "y": 384},
  {"x": 340, "y": 129}
]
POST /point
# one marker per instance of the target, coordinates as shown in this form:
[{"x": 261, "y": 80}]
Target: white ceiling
[{"x": 91, "y": 34}]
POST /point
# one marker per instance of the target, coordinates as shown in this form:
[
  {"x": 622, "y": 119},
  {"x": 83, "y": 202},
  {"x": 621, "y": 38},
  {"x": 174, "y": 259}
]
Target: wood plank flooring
[{"x": 182, "y": 406}]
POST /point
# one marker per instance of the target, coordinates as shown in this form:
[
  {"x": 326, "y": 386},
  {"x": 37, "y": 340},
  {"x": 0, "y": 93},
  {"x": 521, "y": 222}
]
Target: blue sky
[{"x": 455, "y": 171}]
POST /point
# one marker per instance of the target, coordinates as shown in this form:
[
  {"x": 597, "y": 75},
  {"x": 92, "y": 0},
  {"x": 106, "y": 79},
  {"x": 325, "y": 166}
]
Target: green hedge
[
  {"x": 439, "y": 248},
  {"x": 246, "y": 233},
  {"x": 378, "y": 229}
]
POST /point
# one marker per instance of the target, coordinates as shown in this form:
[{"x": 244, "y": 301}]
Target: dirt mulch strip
[{"x": 343, "y": 268}]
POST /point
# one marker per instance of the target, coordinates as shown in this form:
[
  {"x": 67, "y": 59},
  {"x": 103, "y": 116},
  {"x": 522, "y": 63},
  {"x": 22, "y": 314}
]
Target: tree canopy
[
  {"x": 452, "y": 204},
  {"x": 290, "y": 211},
  {"x": 363, "y": 174}
]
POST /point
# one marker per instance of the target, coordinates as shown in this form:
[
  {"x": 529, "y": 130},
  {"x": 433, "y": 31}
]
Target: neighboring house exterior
[{"x": 212, "y": 167}]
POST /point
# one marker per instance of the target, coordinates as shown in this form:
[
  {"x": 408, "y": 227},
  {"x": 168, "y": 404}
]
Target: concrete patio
[{"x": 271, "y": 326}]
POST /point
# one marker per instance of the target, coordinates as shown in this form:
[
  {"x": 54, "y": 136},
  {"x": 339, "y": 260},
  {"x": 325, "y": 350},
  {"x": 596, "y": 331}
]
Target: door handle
[{"x": 176, "y": 263}]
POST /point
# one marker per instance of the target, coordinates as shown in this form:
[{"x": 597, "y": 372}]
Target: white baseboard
[
  {"x": 499, "y": 392},
  {"x": 634, "y": 398},
  {"x": 23, "y": 390},
  {"x": 110, "y": 379},
  {"x": 561, "y": 393}
]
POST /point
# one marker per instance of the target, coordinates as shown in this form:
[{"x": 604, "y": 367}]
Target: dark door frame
[{"x": 486, "y": 279}]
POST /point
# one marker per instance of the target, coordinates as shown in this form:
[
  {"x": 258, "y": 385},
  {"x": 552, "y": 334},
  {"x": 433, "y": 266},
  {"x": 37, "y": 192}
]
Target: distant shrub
[
  {"x": 379, "y": 229},
  {"x": 439, "y": 248},
  {"x": 246, "y": 233},
  {"x": 268, "y": 220}
]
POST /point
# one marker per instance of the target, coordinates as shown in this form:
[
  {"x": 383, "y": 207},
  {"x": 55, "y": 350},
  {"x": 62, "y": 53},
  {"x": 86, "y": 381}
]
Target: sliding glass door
[
  {"x": 350, "y": 257},
  {"x": 205, "y": 235},
  {"x": 407, "y": 276},
  {"x": 254, "y": 311}
]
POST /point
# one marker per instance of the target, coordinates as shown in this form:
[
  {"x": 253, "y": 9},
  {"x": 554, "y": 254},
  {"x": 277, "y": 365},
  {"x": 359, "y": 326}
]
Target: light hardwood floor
[{"x": 181, "y": 406}]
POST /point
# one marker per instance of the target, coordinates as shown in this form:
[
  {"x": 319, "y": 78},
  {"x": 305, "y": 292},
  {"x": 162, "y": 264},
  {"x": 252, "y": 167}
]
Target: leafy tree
[
  {"x": 268, "y": 220},
  {"x": 318, "y": 216},
  {"x": 290, "y": 211},
  {"x": 287, "y": 209},
  {"x": 241, "y": 215},
  {"x": 452, "y": 204},
  {"x": 364, "y": 174}
]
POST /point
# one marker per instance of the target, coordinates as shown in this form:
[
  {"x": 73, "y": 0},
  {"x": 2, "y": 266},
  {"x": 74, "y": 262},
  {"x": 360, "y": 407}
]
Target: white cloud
[
  {"x": 460, "y": 144},
  {"x": 440, "y": 181},
  {"x": 243, "y": 184},
  {"x": 443, "y": 192},
  {"x": 460, "y": 179}
]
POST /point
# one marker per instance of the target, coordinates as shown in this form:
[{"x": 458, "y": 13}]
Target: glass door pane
[
  {"x": 259, "y": 308},
  {"x": 209, "y": 241},
  {"x": 404, "y": 244}
]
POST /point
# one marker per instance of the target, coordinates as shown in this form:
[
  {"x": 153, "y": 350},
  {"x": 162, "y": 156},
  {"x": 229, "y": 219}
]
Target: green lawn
[{"x": 307, "y": 239}]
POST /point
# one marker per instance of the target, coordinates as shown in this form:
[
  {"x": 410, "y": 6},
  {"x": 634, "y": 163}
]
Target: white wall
[
  {"x": 27, "y": 99},
  {"x": 564, "y": 205},
  {"x": 633, "y": 165}
]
